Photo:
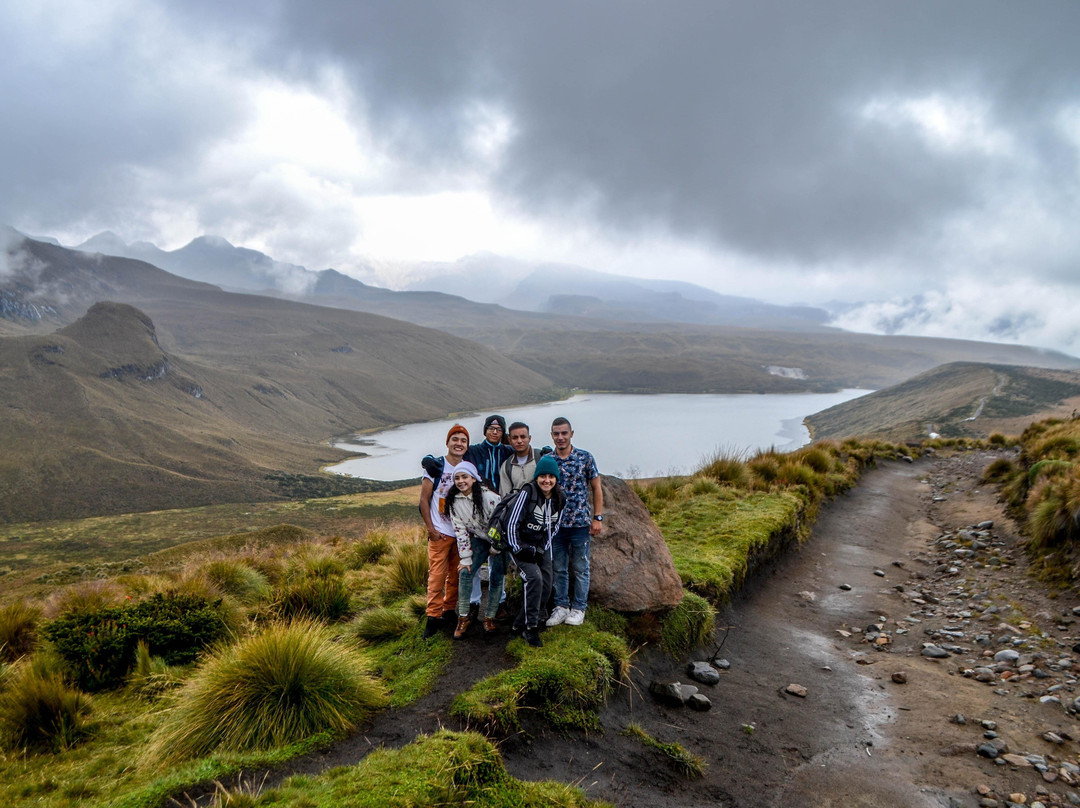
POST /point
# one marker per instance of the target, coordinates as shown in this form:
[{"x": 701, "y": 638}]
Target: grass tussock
[
  {"x": 563, "y": 683},
  {"x": 237, "y": 579},
  {"x": 41, "y": 712},
  {"x": 688, "y": 764},
  {"x": 408, "y": 570},
  {"x": 376, "y": 544},
  {"x": 381, "y": 623},
  {"x": 18, "y": 630},
  {"x": 287, "y": 683}
]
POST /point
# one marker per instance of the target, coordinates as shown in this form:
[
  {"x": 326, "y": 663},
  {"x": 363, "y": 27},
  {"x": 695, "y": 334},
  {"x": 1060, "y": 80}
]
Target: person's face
[
  {"x": 546, "y": 482},
  {"x": 464, "y": 481},
  {"x": 457, "y": 444},
  {"x": 520, "y": 439},
  {"x": 494, "y": 432},
  {"x": 561, "y": 434}
]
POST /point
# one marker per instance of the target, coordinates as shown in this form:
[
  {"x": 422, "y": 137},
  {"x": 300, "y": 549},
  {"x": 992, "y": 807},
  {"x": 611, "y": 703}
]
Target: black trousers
[{"x": 536, "y": 579}]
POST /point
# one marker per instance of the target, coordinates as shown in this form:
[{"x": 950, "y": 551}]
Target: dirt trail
[{"x": 857, "y": 739}]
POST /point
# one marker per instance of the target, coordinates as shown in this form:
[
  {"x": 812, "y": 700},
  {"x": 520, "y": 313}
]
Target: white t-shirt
[{"x": 440, "y": 519}]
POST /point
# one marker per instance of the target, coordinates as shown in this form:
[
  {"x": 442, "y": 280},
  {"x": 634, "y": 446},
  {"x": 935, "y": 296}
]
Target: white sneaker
[
  {"x": 558, "y": 616},
  {"x": 575, "y": 618}
]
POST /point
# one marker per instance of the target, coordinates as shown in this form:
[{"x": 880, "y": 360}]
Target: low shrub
[
  {"x": 86, "y": 596},
  {"x": 278, "y": 687},
  {"x": 704, "y": 485},
  {"x": 18, "y": 630},
  {"x": 42, "y": 712},
  {"x": 98, "y": 647},
  {"x": 999, "y": 469}
]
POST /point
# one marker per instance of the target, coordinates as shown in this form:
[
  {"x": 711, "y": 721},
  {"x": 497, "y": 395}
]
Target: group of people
[{"x": 554, "y": 506}]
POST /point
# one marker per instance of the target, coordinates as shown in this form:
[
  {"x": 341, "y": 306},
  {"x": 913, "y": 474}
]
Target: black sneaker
[
  {"x": 433, "y": 626},
  {"x": 532, "y": 637}
]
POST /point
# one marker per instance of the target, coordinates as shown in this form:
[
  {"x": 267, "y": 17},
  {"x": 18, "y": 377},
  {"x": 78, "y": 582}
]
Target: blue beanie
[{"x": 547, "y": 465}]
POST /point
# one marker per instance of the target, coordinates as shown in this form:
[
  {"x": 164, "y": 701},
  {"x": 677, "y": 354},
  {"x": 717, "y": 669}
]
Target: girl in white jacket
[{"x": 469, "y": 504}]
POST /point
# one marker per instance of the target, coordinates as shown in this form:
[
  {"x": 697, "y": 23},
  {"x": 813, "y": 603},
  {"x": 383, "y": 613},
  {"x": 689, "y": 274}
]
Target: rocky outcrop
[{"x": 631, "y": 566}]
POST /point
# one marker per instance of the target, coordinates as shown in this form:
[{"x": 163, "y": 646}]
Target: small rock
[
  {"x": 934, "y": 652},
  {"x": 1052, "y": 737},
  {"x": 1017, "y": 760},
  {"x": 1018, "y": 797},
  {"x": 900, "y": 678},
  {"x": 846, "y": 587},
  {"x": 703, "y": 672},
  {"x": 670, "y": 693},
  {"x": 957, "y": 719},
  {"x": 796, "y": 690},
  {"x": 879, "y": 573},
  {"x": 808, "y": 596},
  {"x": 987, "y": 750},
  {"x": 721, "y": 664},
  {"x": 699, "y": 702},
  {"x": 1006, "y": 655},
  {"x": 986, "y": 525}
]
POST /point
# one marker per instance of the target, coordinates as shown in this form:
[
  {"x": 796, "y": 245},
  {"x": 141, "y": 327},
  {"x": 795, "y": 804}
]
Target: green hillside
[{"x": 960, "y": 399}]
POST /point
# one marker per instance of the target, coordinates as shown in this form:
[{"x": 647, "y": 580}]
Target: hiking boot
[
  {"x": 433, "y": 626},
  {"x": 575, "y": 618},
  {"x": 503, "y": 613},
  {"x": 474, "y": 611},
  {"x": 558, "y": 617},
  {"x": 489, "y": 626},
  {"x": 463, "y": 624},
  {"x": 532, "y": 637}
]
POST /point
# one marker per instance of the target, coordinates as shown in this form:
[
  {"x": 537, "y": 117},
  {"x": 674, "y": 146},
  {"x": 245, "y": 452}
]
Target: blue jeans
[
  {"x": 570, "y": 557},
  {"x": 481, "y": 552}
]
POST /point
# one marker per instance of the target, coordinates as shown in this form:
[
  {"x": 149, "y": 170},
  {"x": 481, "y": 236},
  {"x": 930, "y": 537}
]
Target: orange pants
[{"x": 442, "y": 579}]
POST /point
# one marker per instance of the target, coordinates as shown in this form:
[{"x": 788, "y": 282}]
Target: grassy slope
[
  {"x": 92, "y": 421},
  {"x": 943, "y": 399}
]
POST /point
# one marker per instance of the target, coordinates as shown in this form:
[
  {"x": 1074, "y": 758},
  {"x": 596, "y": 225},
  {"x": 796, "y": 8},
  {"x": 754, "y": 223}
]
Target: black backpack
[{"x": 499, "y": 519}]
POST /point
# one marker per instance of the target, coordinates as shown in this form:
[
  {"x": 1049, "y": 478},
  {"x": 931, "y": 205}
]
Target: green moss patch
[
  {"x": 564, "y": 683},
  {"x": 712, "y": 538},
  {"x": 447, "y": 768}
]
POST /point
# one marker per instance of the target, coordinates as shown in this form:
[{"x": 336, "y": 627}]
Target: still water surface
[{"x": 630, "y": 435}]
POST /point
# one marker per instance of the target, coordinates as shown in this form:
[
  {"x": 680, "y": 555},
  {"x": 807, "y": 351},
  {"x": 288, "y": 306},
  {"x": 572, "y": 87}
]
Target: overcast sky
[{"x": 920, "y": 157}]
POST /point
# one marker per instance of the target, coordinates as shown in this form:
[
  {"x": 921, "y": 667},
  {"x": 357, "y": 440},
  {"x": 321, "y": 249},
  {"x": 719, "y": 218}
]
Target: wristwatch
[{"x": 599, "y": 517}]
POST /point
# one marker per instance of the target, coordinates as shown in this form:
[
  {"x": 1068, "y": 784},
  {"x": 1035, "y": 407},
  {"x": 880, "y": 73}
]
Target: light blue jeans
[
  {"x": 481, "y": 552},
  {"x": 570, "y": 558}
]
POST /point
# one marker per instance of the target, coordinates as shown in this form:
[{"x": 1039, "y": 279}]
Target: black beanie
[{"x": 492, "y": 418}]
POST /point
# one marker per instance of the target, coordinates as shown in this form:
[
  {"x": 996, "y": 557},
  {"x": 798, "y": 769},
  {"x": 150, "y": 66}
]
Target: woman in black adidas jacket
[{"x": 534, "y": 519}]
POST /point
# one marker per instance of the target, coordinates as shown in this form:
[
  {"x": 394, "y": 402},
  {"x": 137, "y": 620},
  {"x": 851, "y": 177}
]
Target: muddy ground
[{"x": 857, "y": 738}]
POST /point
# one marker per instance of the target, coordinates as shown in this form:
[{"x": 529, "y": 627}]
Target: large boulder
[{"x": 631, "y": 566}]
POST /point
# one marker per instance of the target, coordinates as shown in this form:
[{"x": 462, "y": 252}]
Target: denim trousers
[
  {"x": 481, "y": 552},
  {"x": 570, "y": 558}
]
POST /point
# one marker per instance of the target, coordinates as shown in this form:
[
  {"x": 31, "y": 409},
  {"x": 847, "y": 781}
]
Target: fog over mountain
[{"x": 918, "y": 159}]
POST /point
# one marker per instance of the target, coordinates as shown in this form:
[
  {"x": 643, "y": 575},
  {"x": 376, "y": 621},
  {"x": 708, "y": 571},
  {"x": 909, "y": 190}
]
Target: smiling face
[
  {"x": 456, "y": 446},
  {"x": 546, "y": 482},
  {"x": 521, "y": 440},
  {"x": 464, "y": 481},
  {"x": 561, "y": 435}
]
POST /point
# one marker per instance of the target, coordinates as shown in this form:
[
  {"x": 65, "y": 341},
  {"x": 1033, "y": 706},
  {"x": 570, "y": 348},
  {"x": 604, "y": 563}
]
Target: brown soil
[{"x": 857, "y": 738}]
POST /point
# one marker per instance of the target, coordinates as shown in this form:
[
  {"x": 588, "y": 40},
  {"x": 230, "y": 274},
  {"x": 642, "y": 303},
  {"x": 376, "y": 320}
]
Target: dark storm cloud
[
  {"x": 735, "y": 122},
  {"x": 89, "y": 110}
]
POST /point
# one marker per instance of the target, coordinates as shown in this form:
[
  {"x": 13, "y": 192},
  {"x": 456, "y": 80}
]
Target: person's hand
[
  {"x": 596, "y": 528},
  {"x": 433, "y": 534},
  {"x": 464, "y": 568},
  {"x": 526, "y": 554}
]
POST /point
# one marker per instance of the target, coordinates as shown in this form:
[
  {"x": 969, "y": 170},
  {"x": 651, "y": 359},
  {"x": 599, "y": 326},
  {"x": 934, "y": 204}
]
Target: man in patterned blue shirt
[{"x": 580, "y": 522}]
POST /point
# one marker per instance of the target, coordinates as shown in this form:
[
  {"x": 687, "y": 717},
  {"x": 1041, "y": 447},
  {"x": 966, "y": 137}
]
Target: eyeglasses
[{"x": 496, "y": 427}]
